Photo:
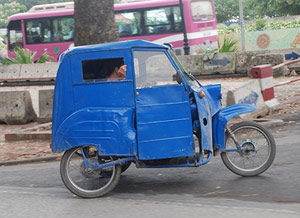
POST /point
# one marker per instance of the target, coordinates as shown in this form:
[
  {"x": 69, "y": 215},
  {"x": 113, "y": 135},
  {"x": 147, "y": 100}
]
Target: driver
[{"x": 118, "y": 72}]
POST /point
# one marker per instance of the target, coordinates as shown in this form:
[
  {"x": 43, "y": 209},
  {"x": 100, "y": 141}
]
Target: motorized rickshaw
[{"x": 157, "y": 115}]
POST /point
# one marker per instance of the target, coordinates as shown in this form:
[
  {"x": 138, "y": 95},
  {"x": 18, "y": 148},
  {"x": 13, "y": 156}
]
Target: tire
[
  {"x": 257, "y": 145},
  {"x": 87, "y": 183}
]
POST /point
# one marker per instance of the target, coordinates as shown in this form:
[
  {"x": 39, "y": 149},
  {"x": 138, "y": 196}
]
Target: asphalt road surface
[{"x": 36, "y": 190}]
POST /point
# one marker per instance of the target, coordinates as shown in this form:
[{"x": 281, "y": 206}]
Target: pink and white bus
[{"x": 50, "y": 27}]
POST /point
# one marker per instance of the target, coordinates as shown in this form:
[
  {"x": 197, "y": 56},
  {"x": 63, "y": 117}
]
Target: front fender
[{"x": 221, "y": 119}]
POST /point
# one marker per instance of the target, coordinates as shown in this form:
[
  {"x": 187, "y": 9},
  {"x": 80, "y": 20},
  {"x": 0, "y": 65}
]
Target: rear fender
[
  {"x": 221, "y": 119},
  {"x": 111, "y": 130}
]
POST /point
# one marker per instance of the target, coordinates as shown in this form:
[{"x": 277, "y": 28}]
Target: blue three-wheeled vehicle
[{"x": 133, "y": 102}]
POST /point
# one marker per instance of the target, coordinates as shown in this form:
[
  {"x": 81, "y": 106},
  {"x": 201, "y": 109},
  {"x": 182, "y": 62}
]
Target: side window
[
  {"x": 103, "y": 70},
  {"x": 38, "y": 31},
  {"x": 128, "y": 23},
  {"x": 15, "y": 36},
  {"x": 153, "y": 68},
  {"x": 63, "y": 29},
  {"x": 158, "y": 21}
]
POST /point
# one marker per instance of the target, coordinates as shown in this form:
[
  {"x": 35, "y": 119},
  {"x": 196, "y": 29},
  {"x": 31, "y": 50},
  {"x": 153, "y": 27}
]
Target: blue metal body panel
[
  {"x": 109, "y": 129},
  {"x": 207, "y": 107},
  {"x": 221, "y": 119},
  {"x": 164, "y": 124},
  {"x": 63, "y": 96}
]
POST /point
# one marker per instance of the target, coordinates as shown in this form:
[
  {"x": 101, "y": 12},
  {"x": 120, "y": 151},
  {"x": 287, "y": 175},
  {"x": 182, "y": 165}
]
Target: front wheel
[
  {"x": 250, "y": 149},
  {"x": 87, "y": 182}
]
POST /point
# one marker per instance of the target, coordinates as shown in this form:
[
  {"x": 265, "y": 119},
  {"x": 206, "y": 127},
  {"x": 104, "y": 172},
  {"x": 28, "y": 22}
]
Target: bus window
[
  {"x": 15, "y": 37},
  {"x": 63, "y": 29},
  {"x": 158, "y": 21},
  {"x": 38, "y": 31},
  {"x": 129, "y": 23},
  {"x": 202, "y": 10},
  {"x": 177, "y": 19}
]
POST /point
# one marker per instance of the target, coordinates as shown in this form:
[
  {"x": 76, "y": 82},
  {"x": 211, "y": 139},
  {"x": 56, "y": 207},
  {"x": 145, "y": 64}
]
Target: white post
[{"x": 242, "y": 25}]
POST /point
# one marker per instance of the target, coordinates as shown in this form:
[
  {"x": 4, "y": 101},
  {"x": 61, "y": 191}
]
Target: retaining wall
[
  {"x": 16, "y": 107},
  {"x": 24, "y": 72}
]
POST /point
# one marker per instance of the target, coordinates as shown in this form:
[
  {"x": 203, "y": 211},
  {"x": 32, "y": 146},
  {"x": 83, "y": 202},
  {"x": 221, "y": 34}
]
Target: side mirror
[{"x": 179, "y": 77}]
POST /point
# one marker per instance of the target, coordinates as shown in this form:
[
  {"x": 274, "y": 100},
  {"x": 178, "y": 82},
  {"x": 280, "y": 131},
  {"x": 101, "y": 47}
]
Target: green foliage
[
  {"x": 25, "y": 56},
  {"x": 8, "y": 9},
  {"x": 228, "y": 10},
  {"x": 3, "y": 37},
  {"x": 260, "y": 24},
  {"x": 3, "y": 46},
  {"x": 45, "y": 57},
  {"x": 229, "y": 45},
  {"x": 233, "y": 28}
]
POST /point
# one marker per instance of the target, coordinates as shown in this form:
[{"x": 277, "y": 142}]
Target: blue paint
[
  {"x": 292, "y": 56},
  {"x": 250, "y": 99},
  {"x": 140, "y": 124},
  {"x": 221, "y": 119},
  {"x": 164, "y": 120},
  {"x": 220, "y": 62}
]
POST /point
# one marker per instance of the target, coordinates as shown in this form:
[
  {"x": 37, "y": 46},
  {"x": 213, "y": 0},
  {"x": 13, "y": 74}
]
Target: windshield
[
  {"x": 188, "y": 76},
  {"x": 202, "y": 10},
  {"x": 153, "y": 68}
]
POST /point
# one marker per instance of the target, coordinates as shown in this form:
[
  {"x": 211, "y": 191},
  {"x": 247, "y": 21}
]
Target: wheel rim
[
  {"x": 85, "y": 180},
  {"x": 255, "y": 148}
]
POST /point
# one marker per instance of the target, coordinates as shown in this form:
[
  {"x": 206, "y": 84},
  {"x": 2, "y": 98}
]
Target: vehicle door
[{"x": 163, "y": 114}]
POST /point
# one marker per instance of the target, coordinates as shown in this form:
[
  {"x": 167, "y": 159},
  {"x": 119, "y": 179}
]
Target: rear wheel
[
  {"x": 256, "y": 149},
  {"x": 87, "y": 182}
]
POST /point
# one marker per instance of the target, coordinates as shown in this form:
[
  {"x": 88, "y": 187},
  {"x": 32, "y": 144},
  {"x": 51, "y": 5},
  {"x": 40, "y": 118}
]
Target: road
[{"x": 36, "y": 190}]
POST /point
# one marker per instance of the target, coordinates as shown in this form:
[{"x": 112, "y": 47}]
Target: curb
[
  {"x": 270, "y": 123},
  {"x": 31, "y": 160},
  {"x": 24, "y": 136}
]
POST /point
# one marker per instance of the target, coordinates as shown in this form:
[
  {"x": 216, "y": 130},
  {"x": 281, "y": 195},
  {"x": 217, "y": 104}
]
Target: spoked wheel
[
  {"x": 255, "y": 151},
  {"x": 86, "y": 182}
]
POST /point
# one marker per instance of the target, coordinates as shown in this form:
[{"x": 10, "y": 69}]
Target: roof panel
[{"x": 114, "y": 46}]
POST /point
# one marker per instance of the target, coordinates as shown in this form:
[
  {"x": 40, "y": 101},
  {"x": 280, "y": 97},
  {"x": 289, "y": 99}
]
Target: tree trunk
[{"x": 94, "y": 22}]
